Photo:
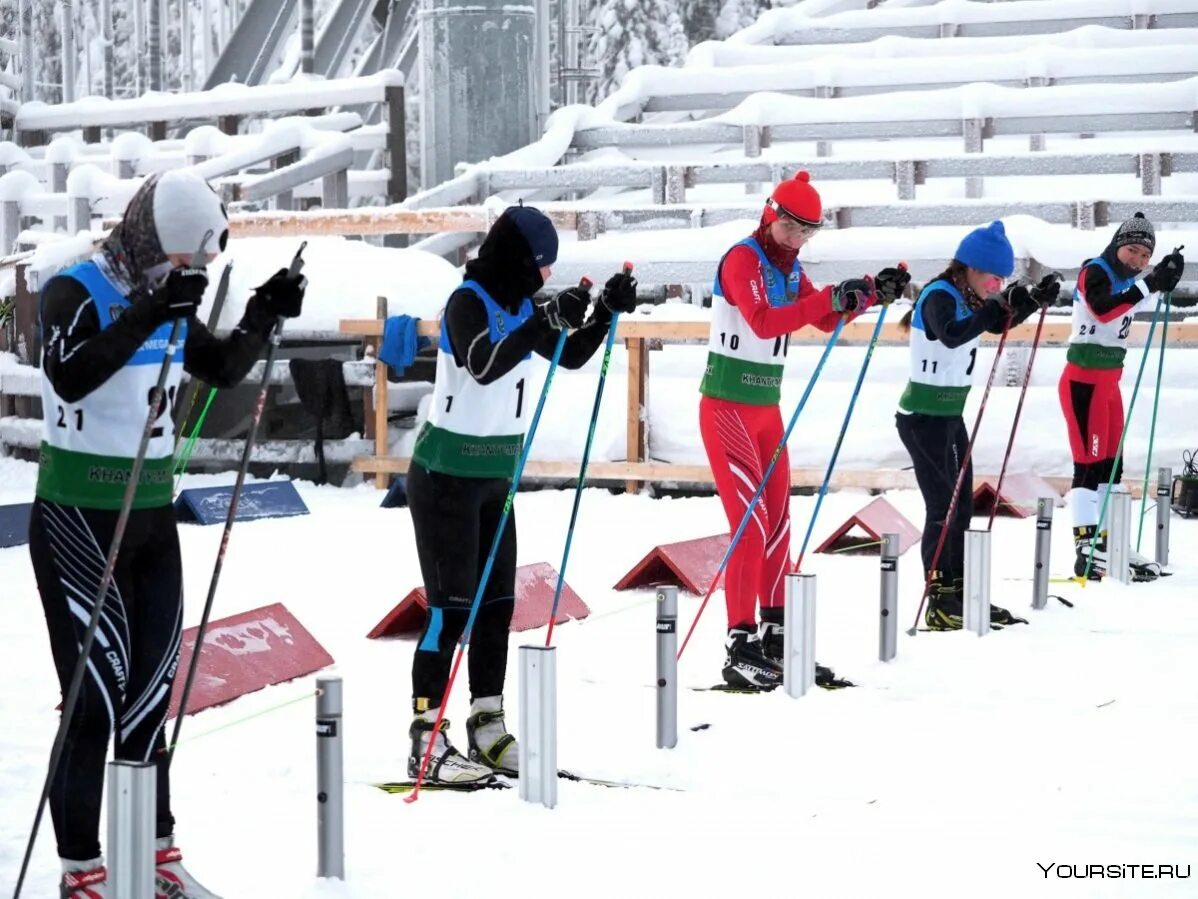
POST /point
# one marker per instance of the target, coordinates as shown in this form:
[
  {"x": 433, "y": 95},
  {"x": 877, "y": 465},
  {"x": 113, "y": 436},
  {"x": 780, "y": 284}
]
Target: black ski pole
[
  {"x": 297, "y": 263},
  {"x": 118, "y": 535}
]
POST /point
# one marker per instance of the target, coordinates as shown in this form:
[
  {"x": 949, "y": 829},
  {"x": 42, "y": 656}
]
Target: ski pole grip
[
  {"x": 628, "y": 267},
  {"x": 585, "y": 283}
]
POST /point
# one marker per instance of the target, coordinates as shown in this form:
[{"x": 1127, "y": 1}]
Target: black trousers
[
  {"x": 937, "y": 445},
  {"x": 131, "y": 666},
  {"x": 455, "y": 520}
]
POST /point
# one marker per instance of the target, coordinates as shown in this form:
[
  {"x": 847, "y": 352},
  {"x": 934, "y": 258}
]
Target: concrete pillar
[{"x": 477, "y": 82}]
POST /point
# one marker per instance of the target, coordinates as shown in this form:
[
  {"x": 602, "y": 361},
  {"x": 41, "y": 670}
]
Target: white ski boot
[
  {"x": 490, "y": 742},
  {"x": 447, "y": 765},
  {"x": 171, "y": 879},
  {"x": 84, "y": 880}
]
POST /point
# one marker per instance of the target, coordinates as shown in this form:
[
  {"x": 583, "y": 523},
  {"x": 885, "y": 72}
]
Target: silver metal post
[
  {"x": 132, "y": 821},
  {"x": 330, "y": 780},
  {"x": 1118, "y": 541},
  {"x": 68, "y": 51},
  {"x": 1044, "y": 507},
  {"x": 798, "y": 643},
  {"x": 538, "y": 725},
  {"x": 888, "y": 623},
  {"x": 307, "y": 37},
  {"x": 1164, "y": 500},
  {"x": 976, "y": 600},
  {"x": 25, "y": 12},
  {"x": 667, "y": 667}
]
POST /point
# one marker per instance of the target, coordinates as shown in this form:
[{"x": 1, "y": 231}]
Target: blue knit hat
[
  {"x": 988, "y": 250},
  {"x": 538, "y": 232}
]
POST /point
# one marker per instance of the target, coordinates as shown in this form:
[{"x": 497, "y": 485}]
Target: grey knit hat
[{"x": 1136, "y": 230}]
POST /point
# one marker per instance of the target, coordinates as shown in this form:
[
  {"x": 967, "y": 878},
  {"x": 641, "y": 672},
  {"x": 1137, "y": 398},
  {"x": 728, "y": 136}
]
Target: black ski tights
[
  {"x": 455, "y": 520},
  {"x": 937, "y": 445},
  {"x": 132, "y": 662}
]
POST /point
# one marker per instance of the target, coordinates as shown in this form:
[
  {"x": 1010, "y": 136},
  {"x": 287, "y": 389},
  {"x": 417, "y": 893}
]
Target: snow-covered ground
[{"x": 953, "y": 771}]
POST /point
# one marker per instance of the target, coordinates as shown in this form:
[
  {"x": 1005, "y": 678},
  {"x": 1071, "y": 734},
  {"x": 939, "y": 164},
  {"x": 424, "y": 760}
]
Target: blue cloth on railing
[{"x": 400, "y": 342}]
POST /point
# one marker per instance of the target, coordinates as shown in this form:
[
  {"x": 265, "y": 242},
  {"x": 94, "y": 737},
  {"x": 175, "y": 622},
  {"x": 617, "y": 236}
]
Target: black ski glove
[
  {"x": 1019, "y": 298},
  {"x": 890, "y": 283},
  {"x": 619, "y": 293},
  {"x": 567, "y": 309},
  {"x": 281, "y": 295},
  {"x": 179, "y": 297},
  {"x": 1167, "y": 273},
  {"x": 1047, "y": 292},
  {"x": 853, "y": 295}
]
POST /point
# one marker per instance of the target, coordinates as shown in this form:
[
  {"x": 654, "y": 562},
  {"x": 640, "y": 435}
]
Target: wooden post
[
  {"x": 156, "y": 130},
  {"x": 1150, "y": 174},
  {"x": 974, "y": 131},
  {"x": 92, "y": 134},
  {"x": 380, "y": 399},
  {"x": 638, "y": 384},
  {"x": 228, "y": 124}
]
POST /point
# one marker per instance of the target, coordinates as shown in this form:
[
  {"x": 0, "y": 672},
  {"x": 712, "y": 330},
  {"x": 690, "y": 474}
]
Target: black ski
[{"x": 504, "y": 783}]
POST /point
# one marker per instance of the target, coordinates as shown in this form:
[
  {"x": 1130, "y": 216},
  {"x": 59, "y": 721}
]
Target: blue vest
[
  {"x": 502, "y": 322},
  {"x": 779, "y": 290},
  {"x": 962, "y": 310},
  {"x": 1118, "y": 285}
]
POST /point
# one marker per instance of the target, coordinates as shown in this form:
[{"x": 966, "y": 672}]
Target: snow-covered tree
[
  {"x": 699, "y": 18},
  {"x": 632, "y": 33},
  {"x": 737, "y": 14}
]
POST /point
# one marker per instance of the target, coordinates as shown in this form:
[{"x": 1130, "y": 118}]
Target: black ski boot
[
  {"x": 944, "y": 605},
  {"x": 747, "y": 667}
]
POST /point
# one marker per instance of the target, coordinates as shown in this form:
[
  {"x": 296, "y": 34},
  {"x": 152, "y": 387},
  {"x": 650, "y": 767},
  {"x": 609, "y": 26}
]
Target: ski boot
[
  {"x": 999, "y": 617},
  {"x": 772, "y": 643},
  {"x": 1083, "y": 566},
  {"x": 447, "y": 765},
  {"x": 944, "y": 609},
  {"x": 84, "y": 880},
  {"x": 490, "y": 743},
  {"x": 171, "y": 879},
  {"x": 747, "y": 667},
  {"x": 1143, "y": 568}
]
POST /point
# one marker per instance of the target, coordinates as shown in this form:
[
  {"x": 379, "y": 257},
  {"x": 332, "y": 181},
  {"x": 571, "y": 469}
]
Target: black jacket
[
  {"x": 78, "y": 356},
  {"x": 505, "y": 268}
]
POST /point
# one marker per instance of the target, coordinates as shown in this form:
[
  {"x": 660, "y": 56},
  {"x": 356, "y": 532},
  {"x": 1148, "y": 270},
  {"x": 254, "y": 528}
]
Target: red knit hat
[{"x": 796, "y": 199}]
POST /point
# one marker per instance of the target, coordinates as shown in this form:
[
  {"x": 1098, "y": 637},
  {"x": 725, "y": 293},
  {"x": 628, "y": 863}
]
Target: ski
[
  {"x": 406, "y": 786},
  {"x": 501, "y": 782}
]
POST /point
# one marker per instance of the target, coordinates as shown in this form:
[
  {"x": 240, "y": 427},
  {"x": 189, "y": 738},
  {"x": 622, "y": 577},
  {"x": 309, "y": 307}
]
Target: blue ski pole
[
  {"x": 823, "y": 490},
  {"x": 494, "y": 551},
  {"x": 769, "y": 470},
  {"x": 582, "y": 473}
]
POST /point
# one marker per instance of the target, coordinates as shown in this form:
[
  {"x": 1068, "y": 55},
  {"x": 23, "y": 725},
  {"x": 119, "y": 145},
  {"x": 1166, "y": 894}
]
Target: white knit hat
[{"x": 185, "y": 208}]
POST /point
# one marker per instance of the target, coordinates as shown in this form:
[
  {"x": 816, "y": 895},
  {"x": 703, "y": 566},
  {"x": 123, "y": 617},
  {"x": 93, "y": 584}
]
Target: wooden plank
[
  {"x": 665, "y": 472},
  {"x": 638, "y": 378},
  {"x": 1056, "y": 332},
  {"x": 380, "y": 400}
]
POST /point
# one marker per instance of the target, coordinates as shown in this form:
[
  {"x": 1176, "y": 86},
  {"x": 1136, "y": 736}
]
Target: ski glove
[
  {"x": 567, "y": 309},
  {"x": 1047, "y": 292},
  {"x": 1167, "y": 273},
  {"x": 1018, "y": 297},
  {"x": 178, "y": 297},
  {"x": 282, "y": 295},
  {"x": 619, "y": 293},
  {"x": 853, "y": 295},
  {"x": 890, "y": 283}
]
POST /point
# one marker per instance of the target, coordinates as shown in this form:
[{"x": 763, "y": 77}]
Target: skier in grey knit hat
[{"x": 1110, "y": 289}]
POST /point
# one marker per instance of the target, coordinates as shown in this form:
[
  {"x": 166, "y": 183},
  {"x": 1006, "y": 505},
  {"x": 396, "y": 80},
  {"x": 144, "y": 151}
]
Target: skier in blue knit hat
[{"x": 946, "y": 326}]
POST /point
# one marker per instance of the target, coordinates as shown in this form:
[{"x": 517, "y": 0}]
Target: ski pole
[
  {"x": 297, "y": 263},
  {"x": 848, "y": 415},
  {"x": 1156, "y": 400},
  {"x": 952, "y": 505},
  {"x": 1131, "y": 407},
  {"x": 582, "y": 474},
  {"x": 1027, "y": 380},
  {"x": 476, "y": 604},
  {"x": 765, "y": 479},
  {"x": 75, "y": 688}
]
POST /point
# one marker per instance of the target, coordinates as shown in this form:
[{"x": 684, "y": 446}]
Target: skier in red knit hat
[{"x": 760, "y": 296}]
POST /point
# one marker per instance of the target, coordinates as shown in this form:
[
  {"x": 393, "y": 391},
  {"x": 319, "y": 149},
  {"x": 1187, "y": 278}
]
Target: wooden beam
[
  {"x": 380, "y": 399},
  {"x": 638, "y": 402},
  {"x": 669, "y": 472},
  {"x": 1056, "y": 333}
]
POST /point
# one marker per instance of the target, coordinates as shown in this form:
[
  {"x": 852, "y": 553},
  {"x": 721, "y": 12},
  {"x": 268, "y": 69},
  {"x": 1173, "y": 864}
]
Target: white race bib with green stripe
[
  {"x": 940, "y": 377},
  {"x": 477, "y": 430},
  {"x": 741, "y": 366},
  {"x": 1095, "y": 344},
  {"x": 88, "y": 446}
]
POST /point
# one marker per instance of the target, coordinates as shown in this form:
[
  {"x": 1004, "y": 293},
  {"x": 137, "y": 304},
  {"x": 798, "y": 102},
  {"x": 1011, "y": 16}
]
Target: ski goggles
[{"x": 793, "y": 223}]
